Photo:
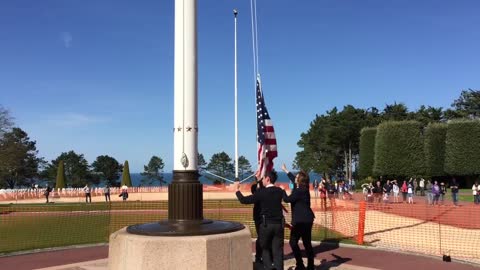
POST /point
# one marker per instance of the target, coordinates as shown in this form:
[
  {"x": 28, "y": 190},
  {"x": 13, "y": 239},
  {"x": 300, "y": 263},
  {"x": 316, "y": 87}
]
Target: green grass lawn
[
  {"x": 465, "y": 198},
  {"x": 26, "y": 227}
]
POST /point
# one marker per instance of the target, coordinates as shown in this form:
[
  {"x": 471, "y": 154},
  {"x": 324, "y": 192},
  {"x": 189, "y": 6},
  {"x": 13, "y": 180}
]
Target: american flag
[{"x": 267, "y": 144}]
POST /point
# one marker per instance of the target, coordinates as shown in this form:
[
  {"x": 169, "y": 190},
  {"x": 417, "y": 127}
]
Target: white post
[
  {"x": 185, "y": 87},
  {"x": 235, "y": 12}
]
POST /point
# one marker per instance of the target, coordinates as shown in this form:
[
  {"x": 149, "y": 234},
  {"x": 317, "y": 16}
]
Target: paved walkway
[{"x": 328, "y": 256}]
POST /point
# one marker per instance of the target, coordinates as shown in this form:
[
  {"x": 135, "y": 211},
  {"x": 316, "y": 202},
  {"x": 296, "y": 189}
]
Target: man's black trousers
[
  {"x": 258, "y": 247},
  {"x": 271, "y": 241}
]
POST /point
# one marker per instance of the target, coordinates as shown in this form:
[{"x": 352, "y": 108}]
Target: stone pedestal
[{"x": 227, "y": 251}]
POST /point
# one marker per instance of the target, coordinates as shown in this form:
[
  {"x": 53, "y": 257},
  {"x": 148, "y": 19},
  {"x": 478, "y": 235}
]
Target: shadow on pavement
[{"x": 333, "y": 263}]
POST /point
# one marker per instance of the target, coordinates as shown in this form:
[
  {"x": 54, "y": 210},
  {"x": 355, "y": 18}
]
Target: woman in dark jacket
[{"x": 302, "y": 218}]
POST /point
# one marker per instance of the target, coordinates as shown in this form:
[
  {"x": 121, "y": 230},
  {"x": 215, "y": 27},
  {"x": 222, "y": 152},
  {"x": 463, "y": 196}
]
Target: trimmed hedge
[
  {"x": 367, "y": 152},
  {"x": 60, "y": 183},
  {"x": 399, "y": 149},
  {"x": 462, "y": 148},
  {"x": 126, "y": 180},
  {"x": 435, "y": 135}
]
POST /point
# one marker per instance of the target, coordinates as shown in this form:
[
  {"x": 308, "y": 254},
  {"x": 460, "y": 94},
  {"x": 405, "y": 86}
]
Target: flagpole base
[
  {"x": 185, "y": 228},
  {"x": 227, "y": 251}
]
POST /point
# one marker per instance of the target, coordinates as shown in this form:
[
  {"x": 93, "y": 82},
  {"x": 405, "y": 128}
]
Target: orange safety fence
[
  {"x": 418, "y": 228},
  {"x": 26, "y": 194}
]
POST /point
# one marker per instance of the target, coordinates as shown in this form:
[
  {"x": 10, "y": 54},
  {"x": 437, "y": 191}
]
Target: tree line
[
  {"x": 21, "y": 165},
  {"x": 331, "y": 146}
]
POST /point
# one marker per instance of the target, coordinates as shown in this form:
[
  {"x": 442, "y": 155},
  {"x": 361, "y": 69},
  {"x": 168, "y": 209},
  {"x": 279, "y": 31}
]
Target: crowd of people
[{"x": 435, "y": 191}]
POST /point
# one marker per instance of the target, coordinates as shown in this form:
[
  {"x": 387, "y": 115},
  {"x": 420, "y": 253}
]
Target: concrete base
[{"x": 228, "y": 251}]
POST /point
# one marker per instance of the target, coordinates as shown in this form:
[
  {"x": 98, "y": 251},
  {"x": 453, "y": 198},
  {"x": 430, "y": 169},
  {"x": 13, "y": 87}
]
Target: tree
[
  {"x": 395, "y": 112},
  {"x": 18, "y": 159},
  {"x": 76, "y": 169},
  {"x": 317, "y": 155},
  {"x": 367, "y": 152},
  {"x": 201, "y": 163},
  {"x": 468, "y": 104},
  {"x": 331, "y": 145},
  {"x": 221, "y": 165},
  {"x": 108, "y": 167},
  {"x": 6, "y": 121},
  {"x": 126, "y": 179},
  {"x": 60, "y": 183},
  {"x": 435, "y": 136},
  {"x": 244, "y": 167},
  {"x": 426, "y": 115},
  {"x": 462, "y": 155},
  {"x": 399, "y": 150},
  {"x": 153, "y": 172}
]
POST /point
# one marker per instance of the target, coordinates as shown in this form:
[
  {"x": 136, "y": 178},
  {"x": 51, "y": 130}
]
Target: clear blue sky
[{"x": 96, "y": 77}]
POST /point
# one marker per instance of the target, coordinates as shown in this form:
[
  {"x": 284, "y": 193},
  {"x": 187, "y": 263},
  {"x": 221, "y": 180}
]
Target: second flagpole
[{"x": 235, "y": 13}]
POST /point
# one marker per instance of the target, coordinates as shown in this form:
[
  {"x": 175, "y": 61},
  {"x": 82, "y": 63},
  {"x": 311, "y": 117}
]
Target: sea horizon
[{"x": 167, "y": 177}]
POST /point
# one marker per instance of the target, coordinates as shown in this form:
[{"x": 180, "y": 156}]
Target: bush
[
  {"x": 462, "y": 148},
  {"x": 60, "y": 181},
  {"x": 435, "y": 135},
  {"x": 399, "y": 149},
  {"x": 367, "y": 152}
]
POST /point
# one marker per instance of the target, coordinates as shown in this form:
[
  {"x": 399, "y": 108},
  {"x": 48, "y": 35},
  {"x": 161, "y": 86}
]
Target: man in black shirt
[
  {"x": 272, "y": 221},
  {"x": 257, "y": 218},
  {"x": 377, "y": 192},
  {"x": 454, "y": 188},
  {"x": 386, "y": 191}
]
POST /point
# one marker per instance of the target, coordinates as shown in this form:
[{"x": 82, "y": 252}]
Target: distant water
[{"x": 282, "y": 178}]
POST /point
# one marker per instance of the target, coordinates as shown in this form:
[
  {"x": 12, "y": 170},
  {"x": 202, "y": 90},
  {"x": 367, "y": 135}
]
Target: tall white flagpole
[{"x": 235, "y": 12}]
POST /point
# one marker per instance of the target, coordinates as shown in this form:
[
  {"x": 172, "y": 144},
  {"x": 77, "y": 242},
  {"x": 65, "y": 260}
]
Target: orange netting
[{"x": 419, "y": 228}]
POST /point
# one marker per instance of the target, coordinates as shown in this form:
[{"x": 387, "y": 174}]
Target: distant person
[
  {"x": 377, "y": 192},
  {"x": 48, "y": 189},
  {"x": 387, "y": 188},
  {"x": 367, "y": 192},
  {"x": 291, "y": 186},
  {"x": 443, "y": 191},
  {"x": 323, "y": 193},
  {"x": 396, "y": 191},
  {"x": 331, "y": 192},
  {"x": 422, "y": 186},
  {"x": 410, "y": 192},
  {"x": 404, "y": 190},
  {"x": 476, "y": 193},
  {"x": 454, "y": 189},
  {"x": 428, "y": 190},
  {"x": 339, "y": 188},
  {"x": 273, "y": 223},
  {"x": 302, "y": 218},
  {"x": 436, "y": 192},
  {"x": 88, "y": 195},
  {"x": 316, "y": 184},
  {"x": 106, "y": 192},
  {"x": 124, "y": 193},
  {"x": 415, "y": 186}
]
